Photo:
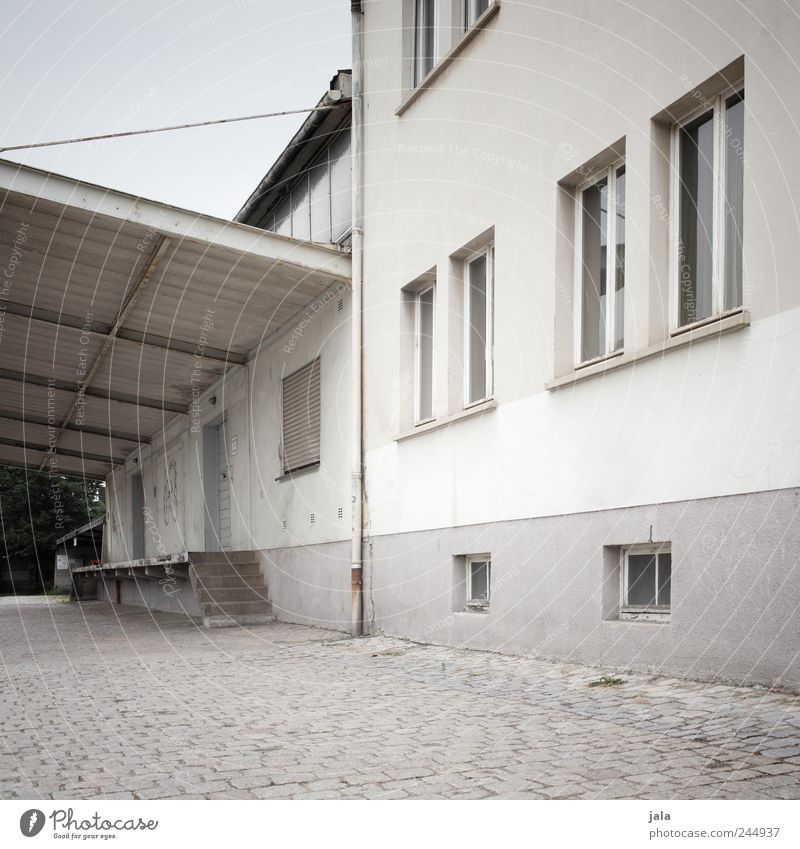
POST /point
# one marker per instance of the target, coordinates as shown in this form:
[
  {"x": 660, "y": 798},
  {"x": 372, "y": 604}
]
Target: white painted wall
[
  {"x": 543, "y": 89},
  {"x": 250, "y": 398}
]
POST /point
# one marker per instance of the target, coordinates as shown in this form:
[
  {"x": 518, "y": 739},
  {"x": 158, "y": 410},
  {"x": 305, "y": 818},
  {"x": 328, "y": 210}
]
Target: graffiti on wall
[{"x": 170, "y": 511}]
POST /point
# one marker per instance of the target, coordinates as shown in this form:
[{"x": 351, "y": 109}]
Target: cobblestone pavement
[{"x": 97, "y": 701}]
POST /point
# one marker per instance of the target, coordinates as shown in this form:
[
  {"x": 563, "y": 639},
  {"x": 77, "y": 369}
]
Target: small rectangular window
[
  {"x": 424, "y": 355},
  {"x": 601, "y": 219},
  {"x": 301, "y": 418},
  {"x": 646, "y": 582},
  {"x": 708, "y": 152},
  {"x": 479, "y": 327},
  {"x": 479, "y": 574},
  {"x": 473, "y": 9},
  {"x": 424, "y": 38}
]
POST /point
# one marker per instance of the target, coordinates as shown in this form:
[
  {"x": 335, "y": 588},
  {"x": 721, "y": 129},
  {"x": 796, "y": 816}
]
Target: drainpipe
[{"x": 357, "y": 474}]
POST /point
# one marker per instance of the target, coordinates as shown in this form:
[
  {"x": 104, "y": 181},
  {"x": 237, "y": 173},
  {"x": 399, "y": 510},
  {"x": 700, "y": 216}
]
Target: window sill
[
  {"x": 710, "y": 329},
  {"x": 483, "y": 407},
  {"x": 643, "y": 614},
  {"x": 303, "y": 470},
  {"x": 448, "y": 58}
]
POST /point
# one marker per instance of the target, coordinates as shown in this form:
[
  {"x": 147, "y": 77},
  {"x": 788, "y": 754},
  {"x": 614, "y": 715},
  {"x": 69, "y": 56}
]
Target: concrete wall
[
  {"x": 175, "y": 596},
  {"x": 555, "y": 588}
]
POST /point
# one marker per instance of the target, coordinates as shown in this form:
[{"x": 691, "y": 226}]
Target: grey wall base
[
  {"x": 555, "y": 588},
  {"x": 310, "y": 585}
]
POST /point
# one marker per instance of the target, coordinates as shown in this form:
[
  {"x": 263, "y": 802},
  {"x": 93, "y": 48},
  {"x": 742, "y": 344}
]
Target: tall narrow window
[
  {"x": 473, "y": 9},
  {"x": 424, "y": 38},
  {"x": 479, "y": 321},
  {"x": 602, "y": 272},
  {"x": 709, "y": 150},
  {"x": 424, "y": 356}
]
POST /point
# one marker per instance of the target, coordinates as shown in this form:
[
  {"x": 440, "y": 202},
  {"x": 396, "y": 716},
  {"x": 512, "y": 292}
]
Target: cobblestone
[{"x": 121, "y": 703}]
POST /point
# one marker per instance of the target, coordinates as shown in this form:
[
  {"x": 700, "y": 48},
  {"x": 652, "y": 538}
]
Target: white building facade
[{"x": 576, "y": 451}]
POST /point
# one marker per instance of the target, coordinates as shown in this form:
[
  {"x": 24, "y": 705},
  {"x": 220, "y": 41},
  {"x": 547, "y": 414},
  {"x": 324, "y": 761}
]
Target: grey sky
[{"x": 87, "y": 67}]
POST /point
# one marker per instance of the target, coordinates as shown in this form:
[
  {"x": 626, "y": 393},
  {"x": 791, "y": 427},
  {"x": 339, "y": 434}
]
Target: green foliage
[
  {"x": 36, "y": 508},
  {"x": 606, "y": 681}
]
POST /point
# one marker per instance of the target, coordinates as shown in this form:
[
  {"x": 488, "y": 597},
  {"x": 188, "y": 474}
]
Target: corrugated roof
[{"x": 122, "y": 297}]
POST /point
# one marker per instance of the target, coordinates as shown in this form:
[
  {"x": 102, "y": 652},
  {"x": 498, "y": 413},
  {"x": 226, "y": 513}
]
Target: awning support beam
[
  {"x": 64, "y": 452},
  {"x": 93, "y": 391},
  {"x": 99, "y": 329},
  {"x": 27, "y": 418}
]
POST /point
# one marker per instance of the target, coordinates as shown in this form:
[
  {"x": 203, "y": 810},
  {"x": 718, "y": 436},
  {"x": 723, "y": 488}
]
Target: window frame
[
  {"x": 478, "y": 605},
  {"x": 285, "y": 469},
  {"x": 466, "y": 23},
  {"x": 609, "y": 173},
  {"x": 418, "y": 78},
  {"x": 418, "y": 420},
  {"x": 653, "y": 613},
  {"x": 717, "y": 106},
  {"x": 486, "y": 251}
]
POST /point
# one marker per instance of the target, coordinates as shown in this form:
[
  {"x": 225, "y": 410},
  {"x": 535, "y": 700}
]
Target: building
[
  {"x": 573, "y": 450},
  {"x": 82, "y": 547},
  {"x": 579, "y": 454}
]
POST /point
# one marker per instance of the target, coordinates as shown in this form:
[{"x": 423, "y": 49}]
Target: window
[
  {"x": 479, "y": 569},
  {"x": 708, "y": 150},
  {"x": 601, "y": 273},
  {"x": 424, "y": 355},
  {"x": 479, "y": 321},
  {"x": 646, "y": 581},
  {"x": 301, "y": 418},
  {"x": 424, "y": 38},
  {"x": 473, "y": 9}
]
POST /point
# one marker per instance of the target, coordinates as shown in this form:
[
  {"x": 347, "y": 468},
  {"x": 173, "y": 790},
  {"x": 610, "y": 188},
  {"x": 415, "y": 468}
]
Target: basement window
[
  {"x": 646, "y": 582},
  {"x": 479, "y": 573}
]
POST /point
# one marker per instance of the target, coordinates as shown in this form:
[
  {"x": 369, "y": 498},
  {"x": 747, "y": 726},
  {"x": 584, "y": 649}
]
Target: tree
[{"x": 36, "y": 508}]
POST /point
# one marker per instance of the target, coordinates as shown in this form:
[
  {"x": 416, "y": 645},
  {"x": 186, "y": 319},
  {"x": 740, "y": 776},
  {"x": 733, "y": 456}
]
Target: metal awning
[{"x": 116, "y": 311}]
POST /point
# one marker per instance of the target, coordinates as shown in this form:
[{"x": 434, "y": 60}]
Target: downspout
[{"x": 357, "y": 450}]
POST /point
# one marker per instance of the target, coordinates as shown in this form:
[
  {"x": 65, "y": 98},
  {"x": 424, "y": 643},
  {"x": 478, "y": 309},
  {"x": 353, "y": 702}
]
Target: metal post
[{"x": 357, "y": 474}]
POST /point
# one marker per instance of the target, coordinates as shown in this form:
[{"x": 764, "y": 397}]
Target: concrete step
[
  {"x": 206, "y": 558},
  {"x": 229, "y": 580},
  {"x": 224, "y": 595},
  {"x": 236, "y": 621},
  {"x": 221, "y": 569},
  {"x": 237, "y": 608}
]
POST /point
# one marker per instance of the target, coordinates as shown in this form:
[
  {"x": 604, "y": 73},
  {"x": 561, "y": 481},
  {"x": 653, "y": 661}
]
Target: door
[
  {"x": 223, "y": 491},
  {"x": 137, "y": 517}
]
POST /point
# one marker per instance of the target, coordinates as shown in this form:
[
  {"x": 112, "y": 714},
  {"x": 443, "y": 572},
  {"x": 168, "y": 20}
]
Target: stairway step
[
  {"x": 236, "y": 621},
  {"x": 224, "y": 595},
  {"x": 236, "y": 608},
  {"x": 229, "y": 581},
  {"x": 207, "y": 558},
  {"x": 216, "y": 569}
]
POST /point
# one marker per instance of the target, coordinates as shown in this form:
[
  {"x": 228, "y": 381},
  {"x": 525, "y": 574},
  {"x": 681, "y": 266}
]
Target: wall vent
[
  {"x": 340, "y": 305},
  {"x": 283, "y": 523},
  {"x": 340, "y": 512},
  {"x": 313, "y": 518}
]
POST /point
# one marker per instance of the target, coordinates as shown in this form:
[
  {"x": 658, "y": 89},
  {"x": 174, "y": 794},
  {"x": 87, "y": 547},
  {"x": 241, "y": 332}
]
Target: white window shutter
[{"x": 301, "y": 417}]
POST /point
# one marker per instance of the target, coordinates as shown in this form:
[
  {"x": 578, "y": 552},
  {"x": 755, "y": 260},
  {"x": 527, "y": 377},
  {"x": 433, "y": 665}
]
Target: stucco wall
[
  {"x": 734, "y": 578},
  {"x": 534, "y": 96}
]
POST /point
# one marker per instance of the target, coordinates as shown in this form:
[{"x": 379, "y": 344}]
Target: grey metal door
[
  {"x": 137, "y": 517},
  {"x": 223, "y": 491}
]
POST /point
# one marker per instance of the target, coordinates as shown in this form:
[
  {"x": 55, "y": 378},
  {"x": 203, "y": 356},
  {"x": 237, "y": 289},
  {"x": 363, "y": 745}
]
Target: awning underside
[{"x": 111, "y": 324}]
